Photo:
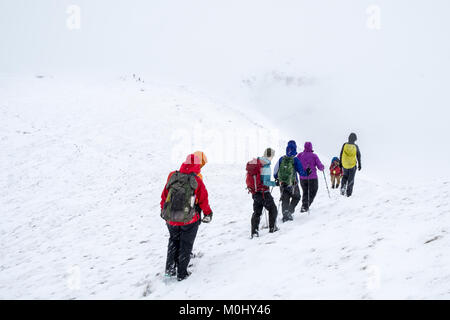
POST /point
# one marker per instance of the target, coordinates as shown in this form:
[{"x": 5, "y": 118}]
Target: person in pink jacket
[{"x": 310, "y": 183}]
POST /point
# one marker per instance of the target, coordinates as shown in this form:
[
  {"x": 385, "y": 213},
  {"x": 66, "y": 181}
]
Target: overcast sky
[{"x": 389, "y": 81}]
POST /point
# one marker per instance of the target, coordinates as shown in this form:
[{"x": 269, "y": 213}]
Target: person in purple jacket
[
  {"x": 310, "y": 183},
  {"x": 289, "y": 190}
]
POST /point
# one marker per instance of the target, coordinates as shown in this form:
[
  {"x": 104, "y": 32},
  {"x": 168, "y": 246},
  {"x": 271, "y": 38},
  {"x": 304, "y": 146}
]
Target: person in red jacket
[
  {"x": 335, "y": 173},
  {"x": 182, "y": 234}
]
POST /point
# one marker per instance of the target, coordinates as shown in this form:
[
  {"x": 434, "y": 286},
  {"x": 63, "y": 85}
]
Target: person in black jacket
[{"x": 350, "y": 159}]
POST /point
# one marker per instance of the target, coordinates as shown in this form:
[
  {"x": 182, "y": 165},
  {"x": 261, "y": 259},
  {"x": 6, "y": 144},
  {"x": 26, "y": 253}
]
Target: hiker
[
  {"x": 258, "y": 183},
  {"x": 335, "y": 173},
  {"x": 285, "y": 173},
  {"x": 350, "y": 157},
  {"x": 183, "y": 189},
  {"x": 310, "y": 183}
]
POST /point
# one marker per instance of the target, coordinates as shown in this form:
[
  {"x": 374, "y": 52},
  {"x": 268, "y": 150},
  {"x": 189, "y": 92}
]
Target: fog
[{"x": 317, "y": 69}]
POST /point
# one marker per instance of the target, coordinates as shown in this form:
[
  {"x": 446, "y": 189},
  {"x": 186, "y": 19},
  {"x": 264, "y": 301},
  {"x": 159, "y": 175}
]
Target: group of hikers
[
  {"x": 185, "y": 197},
  {"x": 287, "y": 171}
]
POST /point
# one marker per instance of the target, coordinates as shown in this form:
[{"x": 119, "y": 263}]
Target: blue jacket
[
  {"x": 266, "y": 173},
  {"x": 291, "y": 151}
]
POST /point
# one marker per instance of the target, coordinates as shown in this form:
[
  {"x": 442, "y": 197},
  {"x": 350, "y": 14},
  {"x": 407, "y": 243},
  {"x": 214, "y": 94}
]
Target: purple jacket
[{"x": 310, "y": 160}]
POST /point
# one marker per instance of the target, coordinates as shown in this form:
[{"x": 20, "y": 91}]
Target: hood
[
  {"x": 308, "y": 147},
  {"x": 264, "y": 161},
  {"x": 352, "y": 138},
  {"x": 191, "y": 165},
  {"x": 291, "y": 149}
]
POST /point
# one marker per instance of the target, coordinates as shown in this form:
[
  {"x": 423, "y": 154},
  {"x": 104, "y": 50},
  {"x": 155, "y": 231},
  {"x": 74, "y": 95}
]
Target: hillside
[{"x": 84, "y": 163}]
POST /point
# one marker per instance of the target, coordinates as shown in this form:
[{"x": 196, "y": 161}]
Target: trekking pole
[
  {"x": 326, "y": 183},
  {"x": 307, "y": 192},
  {"x": 278, "y": 212}
]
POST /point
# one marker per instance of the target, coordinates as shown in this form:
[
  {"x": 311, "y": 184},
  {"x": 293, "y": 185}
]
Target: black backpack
[{"x": 179, "y": 205}]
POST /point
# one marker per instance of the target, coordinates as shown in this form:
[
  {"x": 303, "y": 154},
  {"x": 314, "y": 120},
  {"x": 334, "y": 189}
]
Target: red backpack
[{"x": 253, "y": 180}]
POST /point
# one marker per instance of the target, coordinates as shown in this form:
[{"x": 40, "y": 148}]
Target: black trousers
[
  {"x": 181, "y": 241},
  {"x": 348, "y": 180},
  {"x": 261, "y": 201},
  {"x": 290, "y": 197},
  {"x": 309, "y": 188}
]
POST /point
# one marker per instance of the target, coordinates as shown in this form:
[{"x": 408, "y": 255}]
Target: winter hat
[
  {"x": 352, "y": 137},
  {"x": 202, "y": 157},
  {"x": 269, "y": 153}
]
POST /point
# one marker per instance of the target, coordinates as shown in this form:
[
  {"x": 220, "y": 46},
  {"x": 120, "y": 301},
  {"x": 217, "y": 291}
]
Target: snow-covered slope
[{"x": 83, "y": 168}]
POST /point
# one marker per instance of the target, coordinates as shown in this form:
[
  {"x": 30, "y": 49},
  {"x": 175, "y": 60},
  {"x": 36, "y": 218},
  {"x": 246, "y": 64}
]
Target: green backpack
[
  {"x": 286, "y": 171},
  {"x": 179, "y": 205}
]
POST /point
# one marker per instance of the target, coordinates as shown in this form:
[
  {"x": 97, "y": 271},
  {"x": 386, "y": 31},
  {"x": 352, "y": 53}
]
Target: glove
[
  {"x": 207, "y": 218},
  {"x": 334, "y": 172},
  {"x": 359, "y": 168},
  {"x": 308, "y": 171},
  {"x": 277, "y": 182}
]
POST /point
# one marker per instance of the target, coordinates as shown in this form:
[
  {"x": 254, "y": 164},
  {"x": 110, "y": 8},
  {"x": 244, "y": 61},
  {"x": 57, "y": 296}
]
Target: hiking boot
[
  {"x": 170, "y": 273},
  {"x": 337, "y": 187},
  {"x": 181, "y": 278},
  {"x": 342, "y": 191},
  {"x": 255, "y": 234},
  {"x": 273, "y": 229},
  {"x": 287, "y": 217},
  {"x": 304, "y": 209}
]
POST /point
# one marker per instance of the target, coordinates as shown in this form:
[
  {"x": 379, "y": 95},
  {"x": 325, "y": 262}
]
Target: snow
[
  {"x": 86, "y": 148},
  {"x": 84, "y": 161}
]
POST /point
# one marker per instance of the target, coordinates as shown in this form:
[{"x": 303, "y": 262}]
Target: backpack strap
[
  {"x": 192, "y": 181},
  {"x": 171, "y": 180}
]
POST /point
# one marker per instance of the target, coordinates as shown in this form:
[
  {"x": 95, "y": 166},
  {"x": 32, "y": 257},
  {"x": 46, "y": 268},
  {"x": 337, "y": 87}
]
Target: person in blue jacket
[
  {"x": 290, "y": 192},
  {"x": 263, "y": 199}
]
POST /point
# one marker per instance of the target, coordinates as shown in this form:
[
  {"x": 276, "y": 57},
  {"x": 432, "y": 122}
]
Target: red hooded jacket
[
  {"x": 336, "y": 168},
  {"x": 191, "y": 165}
]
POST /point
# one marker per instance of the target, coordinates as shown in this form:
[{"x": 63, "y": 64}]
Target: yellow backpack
[{"x": 349, "y": 156}]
